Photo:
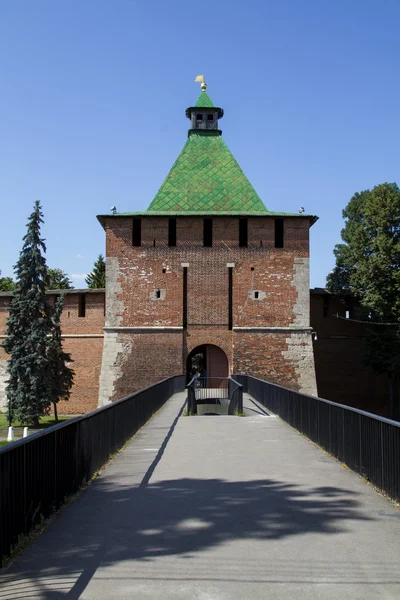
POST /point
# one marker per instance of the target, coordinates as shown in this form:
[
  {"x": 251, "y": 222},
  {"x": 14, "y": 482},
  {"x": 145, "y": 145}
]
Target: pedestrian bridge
[{"x": 215, "y": 507}]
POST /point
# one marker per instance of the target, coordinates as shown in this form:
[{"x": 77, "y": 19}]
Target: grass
[{"x": 46, "y": 421}]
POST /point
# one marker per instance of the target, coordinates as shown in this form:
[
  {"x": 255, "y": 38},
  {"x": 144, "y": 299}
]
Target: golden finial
[{"x": 200, "y": 78}]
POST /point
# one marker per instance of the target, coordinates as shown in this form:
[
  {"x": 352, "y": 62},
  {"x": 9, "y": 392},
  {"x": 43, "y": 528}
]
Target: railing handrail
[
  {"x": 325, "y": 401},
  {"x": 83, "y": 417},
  {"x": 192, "y": 391}
]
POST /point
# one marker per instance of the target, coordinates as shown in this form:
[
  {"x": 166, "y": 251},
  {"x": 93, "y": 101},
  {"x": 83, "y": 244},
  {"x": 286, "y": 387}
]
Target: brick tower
[{"x": 206, "y": 275}]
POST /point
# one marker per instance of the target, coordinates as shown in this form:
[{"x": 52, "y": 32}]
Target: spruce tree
[
  {"x": 61, "y": 376},
  {"x": 28, "y": 328},
  {"x": 97, "y": 278}
]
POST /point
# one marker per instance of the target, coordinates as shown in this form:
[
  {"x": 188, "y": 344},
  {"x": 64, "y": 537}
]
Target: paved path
[{"x": 230, "y": 508}]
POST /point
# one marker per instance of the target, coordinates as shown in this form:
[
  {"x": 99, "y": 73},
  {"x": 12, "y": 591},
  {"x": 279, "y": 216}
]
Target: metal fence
[
  {"x": 367, "y": 443},
  {"x": 217, "y": 391},
  {"x": 39, "y": 472}
]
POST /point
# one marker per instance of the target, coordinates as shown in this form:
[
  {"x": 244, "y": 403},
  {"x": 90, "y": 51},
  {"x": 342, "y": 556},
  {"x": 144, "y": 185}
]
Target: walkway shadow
[{"x": 111, "y": 523}]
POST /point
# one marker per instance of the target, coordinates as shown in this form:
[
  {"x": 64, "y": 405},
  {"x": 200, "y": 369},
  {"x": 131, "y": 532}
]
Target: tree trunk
[{"x": 55, "y": 412}]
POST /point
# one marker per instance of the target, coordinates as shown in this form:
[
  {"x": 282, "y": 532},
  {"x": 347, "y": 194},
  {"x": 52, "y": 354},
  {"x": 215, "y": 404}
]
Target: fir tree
[
  {"x": 61, "y": 376},
  {"x": 97, "y": 278},
  {"x": 28, "y": 328}
]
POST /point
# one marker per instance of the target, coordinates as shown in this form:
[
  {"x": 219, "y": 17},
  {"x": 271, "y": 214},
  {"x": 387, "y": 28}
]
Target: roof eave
[{"x": 312, "y": 218}]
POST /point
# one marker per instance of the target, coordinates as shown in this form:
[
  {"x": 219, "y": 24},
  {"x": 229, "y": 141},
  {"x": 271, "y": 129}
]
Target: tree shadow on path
[{"x": 110, "y": 524}]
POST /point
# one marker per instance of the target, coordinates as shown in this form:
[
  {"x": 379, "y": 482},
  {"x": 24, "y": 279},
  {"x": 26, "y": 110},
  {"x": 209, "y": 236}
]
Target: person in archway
[{"x": 203, "y": 375}]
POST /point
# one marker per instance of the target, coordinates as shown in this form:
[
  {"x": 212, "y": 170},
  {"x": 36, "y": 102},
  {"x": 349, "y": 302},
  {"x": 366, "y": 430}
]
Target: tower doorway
[{"x": 208, "y": 358}]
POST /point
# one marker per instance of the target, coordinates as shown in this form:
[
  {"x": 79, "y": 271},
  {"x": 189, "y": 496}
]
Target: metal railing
[
  {"x": 215, "y": 391},
  {"x": 366, "y": 443},
  {"x": 39, "y": 472}
]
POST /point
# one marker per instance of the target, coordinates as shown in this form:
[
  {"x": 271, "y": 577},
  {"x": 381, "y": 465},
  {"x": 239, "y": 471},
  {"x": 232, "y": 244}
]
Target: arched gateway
[{"x": 208, "y": 357}]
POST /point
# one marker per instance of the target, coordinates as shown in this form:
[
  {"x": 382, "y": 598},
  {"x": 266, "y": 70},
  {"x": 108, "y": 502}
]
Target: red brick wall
[
  {"x": 341, "y": 375},
  {"x": 83, "y": 339},
  {"x": 261, "y": 355},
  {"x": 92, "y": 322},
  {"x": 135, "y": 273},
  {"x": 141, "y": 271},
  {"x": 149, "y": 358},
  {"x": 86, "y": 355}
]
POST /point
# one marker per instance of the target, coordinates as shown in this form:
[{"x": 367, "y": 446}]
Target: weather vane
[{"x": 200, "y": 79}]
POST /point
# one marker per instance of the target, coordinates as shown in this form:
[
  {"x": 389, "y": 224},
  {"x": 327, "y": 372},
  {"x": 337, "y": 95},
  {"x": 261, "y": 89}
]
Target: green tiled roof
[
  {"x": 204, "y": 101},
  {"x": 206, "y": 179}
]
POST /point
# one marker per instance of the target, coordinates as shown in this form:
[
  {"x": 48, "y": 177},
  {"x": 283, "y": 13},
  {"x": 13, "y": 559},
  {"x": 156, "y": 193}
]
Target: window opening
[
  {"x": 185, "y": 299},
  {"x": 325, "y": 308},
  {"x": 279, "y": 233},
  {"x": 199, "y": 117},
  {"x": 210, "y": 117},
  {"x": 82, "y": 305},
  {"x": 171, "y": 232},
  {"x": 207, "y": 233},
  {"x": 158, "y": 293},
  {"x": 230, "y": 299},
  {"x": 243, "y": 232},
  {"x": 137, "y": 232}
]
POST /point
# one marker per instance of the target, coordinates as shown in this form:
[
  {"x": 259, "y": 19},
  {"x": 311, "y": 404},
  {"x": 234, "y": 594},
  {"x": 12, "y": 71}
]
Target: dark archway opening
[{"x": 207, "y": 361}]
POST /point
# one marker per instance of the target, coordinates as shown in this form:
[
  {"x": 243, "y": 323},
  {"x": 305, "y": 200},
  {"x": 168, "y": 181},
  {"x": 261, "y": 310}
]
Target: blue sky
[{"x": 94, "y": 92}]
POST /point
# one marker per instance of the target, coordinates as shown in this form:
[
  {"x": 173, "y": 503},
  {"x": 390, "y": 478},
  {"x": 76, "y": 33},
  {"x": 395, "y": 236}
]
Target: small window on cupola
[
  {"x": 210, "y": 117},
  {"x": 199, "y": 117}
]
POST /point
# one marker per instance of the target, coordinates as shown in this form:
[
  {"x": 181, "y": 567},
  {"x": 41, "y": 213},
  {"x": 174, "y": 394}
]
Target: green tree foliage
[
  {"x": 61, "y": 376},
  {"x": 7, "y": 284},
  {"x": 28, "y": 328},
  {"x": 97, "y": 278},
  {"x": 368, "y": 271},
  {"x": 58, "y": 280}
]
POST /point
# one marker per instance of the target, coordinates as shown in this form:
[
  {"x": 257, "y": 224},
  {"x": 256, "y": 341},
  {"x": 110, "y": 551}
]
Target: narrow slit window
[
  {"x": 82, "y": 305},
  {"x": 207, "y": 233},
  {"x": 137, "y": 232},
  {"x": 256, "y": 295},
  {"x": 230, "y": 298},
  {"x": 279, "y": 233},
  {"x": 171, "y": 232},
  {"x": 243, "y": 233},
  {"x": 185, "y": 299},
  {"x": 325, "y": 308},
  {"x": 158, "y": 294}
]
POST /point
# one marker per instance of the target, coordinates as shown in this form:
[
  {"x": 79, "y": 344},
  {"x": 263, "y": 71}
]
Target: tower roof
[{"x": 206, "y": 179}]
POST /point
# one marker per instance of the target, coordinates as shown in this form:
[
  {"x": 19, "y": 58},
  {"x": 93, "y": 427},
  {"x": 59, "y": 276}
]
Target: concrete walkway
[{"x": 229, "y": 508}]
